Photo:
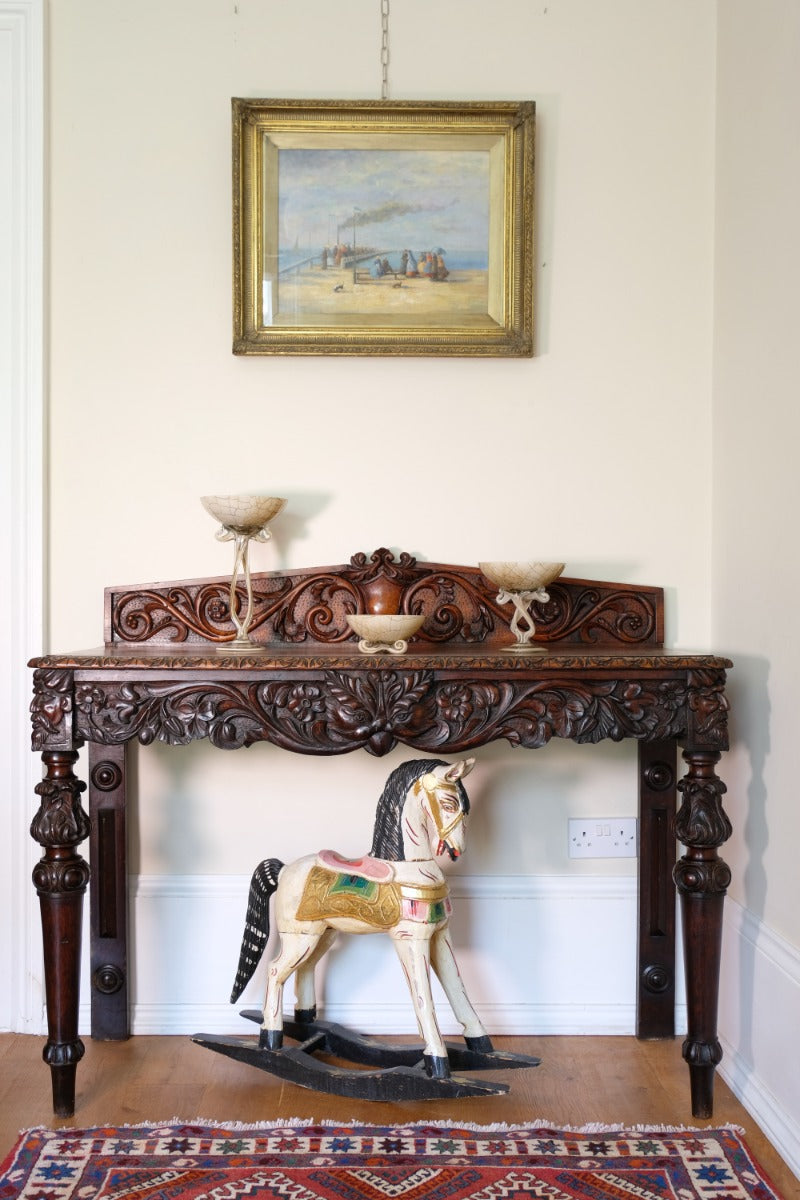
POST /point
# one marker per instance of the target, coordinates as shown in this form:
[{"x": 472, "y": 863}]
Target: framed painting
[{"x": 383, "y": 227}]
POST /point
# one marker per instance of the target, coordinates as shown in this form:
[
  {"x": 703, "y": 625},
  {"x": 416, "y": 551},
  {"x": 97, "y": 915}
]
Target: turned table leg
[
  {"x": 60, "y": 877},
  {"x": 702, "y": 879}
]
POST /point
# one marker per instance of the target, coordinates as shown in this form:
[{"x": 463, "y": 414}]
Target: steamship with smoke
[{"x": 348, "y": 251}]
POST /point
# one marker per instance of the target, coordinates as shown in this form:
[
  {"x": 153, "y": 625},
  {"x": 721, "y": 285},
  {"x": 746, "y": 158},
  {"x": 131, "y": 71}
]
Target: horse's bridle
[{"x": 431, "y": 784}]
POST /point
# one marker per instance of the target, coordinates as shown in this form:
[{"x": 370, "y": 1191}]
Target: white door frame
[{"x": 22, "y": 446}]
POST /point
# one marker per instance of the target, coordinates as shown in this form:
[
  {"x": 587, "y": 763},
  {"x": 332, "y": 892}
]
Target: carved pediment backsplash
[{"x": 309, "y": 606}]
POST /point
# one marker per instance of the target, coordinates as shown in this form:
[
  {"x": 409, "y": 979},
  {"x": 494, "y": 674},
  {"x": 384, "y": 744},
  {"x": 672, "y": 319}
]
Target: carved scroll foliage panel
[
  {"x": 311, "y": 606},
  {"x": 334, "y": 712}
]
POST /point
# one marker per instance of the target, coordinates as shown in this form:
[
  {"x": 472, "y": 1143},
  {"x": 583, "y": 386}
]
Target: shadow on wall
[
  {"x": 292, "y": 525},
  {"x": 748, "y": 689}
]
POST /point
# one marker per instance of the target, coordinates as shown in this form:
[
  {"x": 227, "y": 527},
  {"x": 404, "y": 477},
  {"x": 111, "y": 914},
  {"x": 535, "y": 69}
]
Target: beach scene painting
[
  {"x": 377, "y": 235},
  {"x": 383, "y": 227}
]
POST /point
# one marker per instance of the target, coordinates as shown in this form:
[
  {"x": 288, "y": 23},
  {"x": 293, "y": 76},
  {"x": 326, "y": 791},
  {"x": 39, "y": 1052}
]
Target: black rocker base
[{"x": 400, "y": 1072}]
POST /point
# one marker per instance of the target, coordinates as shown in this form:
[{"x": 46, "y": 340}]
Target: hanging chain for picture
[{"x": 384, "y": 49}]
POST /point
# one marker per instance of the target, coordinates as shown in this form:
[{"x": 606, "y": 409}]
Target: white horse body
[{"x": 404, "y": 894}]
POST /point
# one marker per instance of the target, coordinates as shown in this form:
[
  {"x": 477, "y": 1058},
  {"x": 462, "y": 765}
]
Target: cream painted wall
[
  {"x": 595, "y": 450},
  {"x": 757, "y": 430}
]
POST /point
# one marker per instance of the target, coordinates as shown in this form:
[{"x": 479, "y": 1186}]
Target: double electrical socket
[{"x": 602, "y": 837}]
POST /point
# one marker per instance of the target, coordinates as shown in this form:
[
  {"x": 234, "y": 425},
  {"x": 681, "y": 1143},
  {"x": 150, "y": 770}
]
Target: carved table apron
[{"x": 328, "y": 699}]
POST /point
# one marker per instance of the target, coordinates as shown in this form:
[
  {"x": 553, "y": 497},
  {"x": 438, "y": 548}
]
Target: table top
[{"x": 346, "y": 657}]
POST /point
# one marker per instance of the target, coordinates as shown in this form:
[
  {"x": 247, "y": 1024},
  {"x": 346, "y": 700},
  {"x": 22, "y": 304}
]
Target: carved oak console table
[{"x": 166, "y": 673}]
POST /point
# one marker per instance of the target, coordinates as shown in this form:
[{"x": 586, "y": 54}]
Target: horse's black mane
[{"x": 387, "y": 836}]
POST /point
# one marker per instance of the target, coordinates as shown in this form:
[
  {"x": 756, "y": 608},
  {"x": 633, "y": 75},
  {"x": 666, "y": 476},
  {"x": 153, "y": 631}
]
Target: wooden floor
[{"x": 609, "y": 1080}]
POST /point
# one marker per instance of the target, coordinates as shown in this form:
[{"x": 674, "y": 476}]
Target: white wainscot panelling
[
  {"x": 759, "y": 1002},
  {"x": 546, "y": 955}
]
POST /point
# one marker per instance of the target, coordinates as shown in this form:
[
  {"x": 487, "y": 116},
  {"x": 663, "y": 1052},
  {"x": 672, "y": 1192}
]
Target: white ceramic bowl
[
  {"x": 384, "y": 631},
  {"x": 521, "y": 576},
  {"x": 243, "y": 514}
]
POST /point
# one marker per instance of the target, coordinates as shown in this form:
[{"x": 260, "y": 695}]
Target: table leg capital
[
  {"x": 701, "y": 820},
  {"x": 60, "y": 820}
]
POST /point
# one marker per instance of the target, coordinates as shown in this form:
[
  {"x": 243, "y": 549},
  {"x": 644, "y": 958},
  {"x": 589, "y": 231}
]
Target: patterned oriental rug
[{"x": 298, "y": 1161}]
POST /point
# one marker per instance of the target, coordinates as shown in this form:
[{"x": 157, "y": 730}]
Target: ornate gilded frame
[{"x": 304, "y": 307}]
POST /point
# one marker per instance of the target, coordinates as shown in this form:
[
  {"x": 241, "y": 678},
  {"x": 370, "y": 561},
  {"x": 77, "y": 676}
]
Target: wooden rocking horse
[{"x": 398, "y": 888}]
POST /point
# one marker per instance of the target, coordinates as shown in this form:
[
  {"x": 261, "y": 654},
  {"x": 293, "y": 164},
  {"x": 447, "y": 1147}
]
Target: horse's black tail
[{"x": 256, "y": 923}]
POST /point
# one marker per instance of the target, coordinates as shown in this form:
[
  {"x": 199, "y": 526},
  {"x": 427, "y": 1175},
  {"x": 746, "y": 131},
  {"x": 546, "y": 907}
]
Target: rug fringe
[{"x": 592, "y": 1127}]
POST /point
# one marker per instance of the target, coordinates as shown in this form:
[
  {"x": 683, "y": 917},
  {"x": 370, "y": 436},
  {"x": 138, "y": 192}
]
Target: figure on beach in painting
[{"x": 432, "y": 266}]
